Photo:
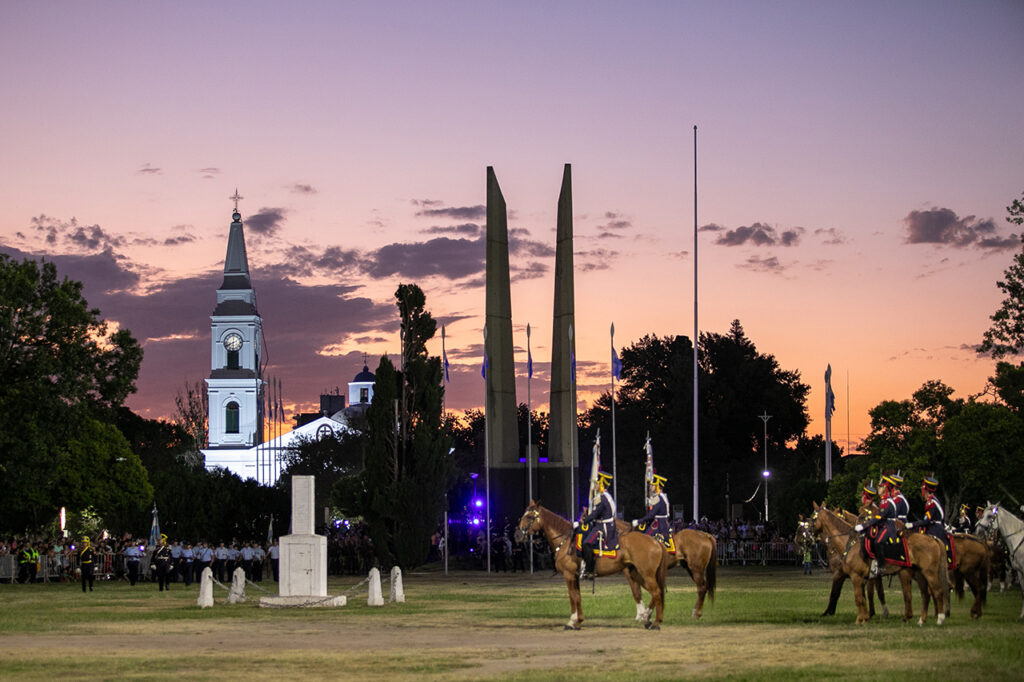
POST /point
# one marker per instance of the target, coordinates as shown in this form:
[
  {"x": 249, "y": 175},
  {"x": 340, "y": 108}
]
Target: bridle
[{"x": 995, "y": 526}]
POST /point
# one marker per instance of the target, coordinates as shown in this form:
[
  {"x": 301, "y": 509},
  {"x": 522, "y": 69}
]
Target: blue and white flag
[
  {"x": 529, "y": 364},
  {"x": 483, "y": 368},
  {"x": 154, "y": 530},
  {"x": 572, "y": 363},
  {"x": 830, "y": 397},
  {"x": 447, "y": 378},
  {"x": 616, "y": 364}
]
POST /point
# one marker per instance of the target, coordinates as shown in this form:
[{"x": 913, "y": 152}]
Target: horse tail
[
  {"x": 662, "y": 574},
  {"x": 711, "y": 570}
]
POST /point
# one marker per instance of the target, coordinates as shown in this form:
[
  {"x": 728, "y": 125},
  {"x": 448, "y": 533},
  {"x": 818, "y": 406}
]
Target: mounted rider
[
  {"x": 934, "y": 518},
  {"x": 596, "y": 529},
  {"x": 964, "y": 524},
  {"x": 656, "y": 521},
  {"x": 882, "y": 530}
]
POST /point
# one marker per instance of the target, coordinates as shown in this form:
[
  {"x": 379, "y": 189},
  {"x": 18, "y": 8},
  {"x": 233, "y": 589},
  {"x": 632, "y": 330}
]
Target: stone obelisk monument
[
  {"x": 508, "y": 483},
  {"x": 303, "y": 567},
  {"x": 558, "y": 482}
]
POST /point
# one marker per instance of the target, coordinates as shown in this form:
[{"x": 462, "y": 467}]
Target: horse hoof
[
  {"x": 940, "y": 619},
  {"x": 653, "y": 626},
  {"x": 920, "y": 622},
  {"x": 569, "y": 627}
]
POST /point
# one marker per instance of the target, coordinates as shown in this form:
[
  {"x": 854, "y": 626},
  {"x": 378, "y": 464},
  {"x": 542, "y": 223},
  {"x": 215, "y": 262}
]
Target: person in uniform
[
  {"x": 656, "y": 521},
  {"x": 597, "y": 527},
  {"x": 881, "y": 525},
  {"x": 184, "y": 562},
  {"x": 275, "y": 557},
  {"x": 86, "y": 561},
  {"x": 934, "y": 519},
  {"x": 163, "y": 564},
  {"x": 177, "y": 561},
  {"x": 963, "y": 522},
  {"x": 204, "y": 558},
  {"x": 220, "y": 557},
  {"x": 901, "y": 507},
  {"x": 132, "y": 556}
]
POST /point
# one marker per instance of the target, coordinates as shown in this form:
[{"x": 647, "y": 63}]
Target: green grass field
[{"x": 763, "y": 624}]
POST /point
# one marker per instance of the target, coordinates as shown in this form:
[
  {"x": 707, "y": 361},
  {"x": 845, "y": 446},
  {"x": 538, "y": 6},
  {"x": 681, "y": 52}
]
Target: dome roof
[{"x": 365, "y": 376}]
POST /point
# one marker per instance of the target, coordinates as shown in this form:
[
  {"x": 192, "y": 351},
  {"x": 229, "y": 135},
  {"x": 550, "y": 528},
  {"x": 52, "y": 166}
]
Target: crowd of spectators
[{"x": 56, "y": 559}]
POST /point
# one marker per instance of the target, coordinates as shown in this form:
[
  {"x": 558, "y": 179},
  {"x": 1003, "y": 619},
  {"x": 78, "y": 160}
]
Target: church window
[
  {"x": 364, "y": 395},
  {"x": 231, "y": 418}
]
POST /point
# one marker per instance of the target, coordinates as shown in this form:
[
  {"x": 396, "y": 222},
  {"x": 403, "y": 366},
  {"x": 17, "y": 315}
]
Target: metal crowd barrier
[{"x": 753, "y": 552}]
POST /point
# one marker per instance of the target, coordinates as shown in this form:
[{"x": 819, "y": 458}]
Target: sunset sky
[{"x": 855, "y": 162}]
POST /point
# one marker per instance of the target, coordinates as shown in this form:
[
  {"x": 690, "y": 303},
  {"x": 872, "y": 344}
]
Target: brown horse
[
  {"x": 926, "y": 554},
  {"x": 835, "y": 550},
  {"x": 642, "y": 559},
  {"x": 973, "y": 562},
  {"x": 697, "y": 552}
]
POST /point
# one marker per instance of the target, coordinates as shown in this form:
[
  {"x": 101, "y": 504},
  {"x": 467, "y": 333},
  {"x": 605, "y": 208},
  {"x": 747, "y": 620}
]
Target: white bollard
[
  {"x": 397, "y": 591},
  {"x": 376, "y": 597},
  {"x": 237, "y": 593},
  {"x": 205, "y": 600}
]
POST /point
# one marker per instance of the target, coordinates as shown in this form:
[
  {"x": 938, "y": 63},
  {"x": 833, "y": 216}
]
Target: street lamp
[{"x": 765, "y": 473}]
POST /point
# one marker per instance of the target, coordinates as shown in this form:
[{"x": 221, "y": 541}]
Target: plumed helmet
[
  {"x": 870, "y": 489},
  {"x": 659, "y": 480}
]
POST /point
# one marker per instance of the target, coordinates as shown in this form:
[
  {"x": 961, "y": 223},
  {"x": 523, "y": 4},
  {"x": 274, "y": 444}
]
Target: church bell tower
[{"x": 235, "y": 385}]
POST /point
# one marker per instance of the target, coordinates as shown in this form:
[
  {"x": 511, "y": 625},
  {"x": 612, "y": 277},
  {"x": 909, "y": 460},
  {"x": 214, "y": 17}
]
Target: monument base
[{"x": 300, "y": 601}]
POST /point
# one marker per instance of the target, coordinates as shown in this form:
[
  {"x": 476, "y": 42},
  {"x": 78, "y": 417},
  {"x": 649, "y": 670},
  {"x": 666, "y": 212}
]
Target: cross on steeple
[
  {"x": 364, "y": 360},
  {"x": 236, "y": 198}
]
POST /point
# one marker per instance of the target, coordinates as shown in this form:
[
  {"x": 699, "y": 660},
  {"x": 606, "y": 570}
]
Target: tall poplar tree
[{"x": 401, "y": 492}]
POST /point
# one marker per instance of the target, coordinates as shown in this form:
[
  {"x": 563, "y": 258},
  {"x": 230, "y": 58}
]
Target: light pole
[{"x": 765, "y": 417}]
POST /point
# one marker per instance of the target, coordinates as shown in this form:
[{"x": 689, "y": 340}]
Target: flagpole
[
  {"x": 444, "y": 378},
  {"x": 529, "y": 431},
  {"x": 444, "y": 420},
  {"x": 696, "y": 334},
  {"x": 828, "y": 423},
  {"x": 574, "y": 446},
  {"x": 615, "y": 473}
]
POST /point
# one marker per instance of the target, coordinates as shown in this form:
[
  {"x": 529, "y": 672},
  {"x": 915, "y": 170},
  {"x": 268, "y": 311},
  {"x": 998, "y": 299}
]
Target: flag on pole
[
  {"x": 270, "y": 531},
  {"x": 483, "y": 368},
  {"x": 830, "y": 397},
  {"x": 572, "y": 363},
  {"x": 529, "y": 364},
  {"x": 649, "y": 468},
  {"x": 154, "y": 529},
  {"x": 595, "y": 467},
  {"x": 444, "y": 357},
  {"x": 616, "y": 365}
]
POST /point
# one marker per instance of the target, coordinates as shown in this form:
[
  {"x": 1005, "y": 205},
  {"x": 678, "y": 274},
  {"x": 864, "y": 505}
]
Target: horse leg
[
  {"x": 643, "y": 615},
  {"x": 881, "y": 597},
  {"x": 858, "y": 598},
  {"x": 837, "y": 588},
  {"x": 908, "y": 607},
  {"x": 702, "y": 589},
  {"x": 572, "y": 583}
]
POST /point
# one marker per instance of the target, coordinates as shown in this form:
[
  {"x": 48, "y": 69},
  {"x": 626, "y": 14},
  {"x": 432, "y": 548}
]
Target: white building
[{"x": 235, "y": 386}]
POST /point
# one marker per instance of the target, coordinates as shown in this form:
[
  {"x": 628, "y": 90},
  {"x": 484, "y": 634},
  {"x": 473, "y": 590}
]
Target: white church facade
[{"x": 235, "y": 387}]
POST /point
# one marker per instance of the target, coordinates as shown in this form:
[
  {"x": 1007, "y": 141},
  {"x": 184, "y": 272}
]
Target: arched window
[
  {"x": 231, "y": 418},
  {"x": 233, "y": 359}
]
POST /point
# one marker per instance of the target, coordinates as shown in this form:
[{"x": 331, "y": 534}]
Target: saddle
[
  {"x": 891, "y": 543},
  {"x": 599, "y": 548}
]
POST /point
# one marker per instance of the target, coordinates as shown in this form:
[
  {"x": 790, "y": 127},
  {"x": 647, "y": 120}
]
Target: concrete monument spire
[
  {"x": 562, "y": 436},
  {"x": 502, "y": 427}
]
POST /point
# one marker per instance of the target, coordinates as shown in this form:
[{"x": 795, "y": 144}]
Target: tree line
[{"x": 67, "y": 439}]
